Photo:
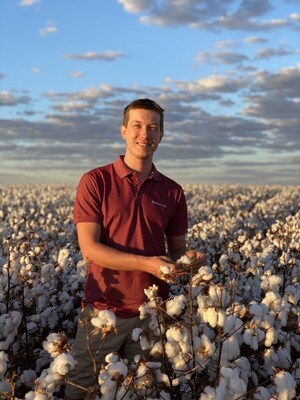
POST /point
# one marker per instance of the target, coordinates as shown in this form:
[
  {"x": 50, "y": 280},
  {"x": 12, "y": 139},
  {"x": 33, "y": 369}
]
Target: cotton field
[{"x": 230, "y": 330}]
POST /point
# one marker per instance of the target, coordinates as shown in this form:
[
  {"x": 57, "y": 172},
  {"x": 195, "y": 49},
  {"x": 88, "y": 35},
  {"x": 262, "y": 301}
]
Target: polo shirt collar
[{"x": 123, "y": 170}]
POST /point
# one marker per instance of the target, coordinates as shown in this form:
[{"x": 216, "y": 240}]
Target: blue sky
[{"x": 226, "y": 72}]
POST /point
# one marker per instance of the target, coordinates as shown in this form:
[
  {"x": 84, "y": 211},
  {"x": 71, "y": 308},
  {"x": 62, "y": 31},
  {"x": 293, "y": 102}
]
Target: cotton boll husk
[{"x": 285, "y": 385}]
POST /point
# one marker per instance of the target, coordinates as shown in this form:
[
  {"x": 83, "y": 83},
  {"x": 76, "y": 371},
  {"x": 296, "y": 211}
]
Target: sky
[{"x": 226, "y": 72}]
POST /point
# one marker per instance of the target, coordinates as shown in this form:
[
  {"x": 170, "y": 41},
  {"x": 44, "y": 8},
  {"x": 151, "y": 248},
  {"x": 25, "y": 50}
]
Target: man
[{"x": 126, "y": 214}]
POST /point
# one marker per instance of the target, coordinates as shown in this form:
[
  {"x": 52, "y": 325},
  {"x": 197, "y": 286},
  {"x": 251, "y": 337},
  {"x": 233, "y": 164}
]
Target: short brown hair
[{"x": 145, "y": 104}]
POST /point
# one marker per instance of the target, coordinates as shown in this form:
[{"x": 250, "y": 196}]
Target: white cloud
[
  {"x": 108, "y": 55},
  {"x": 49, "y": 28},
  {"x": 255, "y": 39},
  {"x": 136, "y": 6},
  {"x": 35, "y": 70},
  {"x": 295, "y": 16},
  {"x": 76, "y": 74},
  {"x": 28, "y": 2}
]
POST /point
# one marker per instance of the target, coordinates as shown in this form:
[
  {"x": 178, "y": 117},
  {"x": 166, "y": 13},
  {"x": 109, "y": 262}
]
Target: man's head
[{"x": 145, "y": 104}]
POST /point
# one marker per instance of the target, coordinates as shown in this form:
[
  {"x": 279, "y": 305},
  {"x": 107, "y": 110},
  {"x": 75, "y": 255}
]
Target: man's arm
[{"x": 94, "y": 251}]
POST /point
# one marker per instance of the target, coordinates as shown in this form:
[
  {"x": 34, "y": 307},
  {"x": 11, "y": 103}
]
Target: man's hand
[{"x": 195, "y": 260}]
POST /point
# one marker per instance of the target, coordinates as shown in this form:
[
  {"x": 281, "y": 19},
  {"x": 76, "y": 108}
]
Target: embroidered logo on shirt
[{"x": 159, "y": 204}]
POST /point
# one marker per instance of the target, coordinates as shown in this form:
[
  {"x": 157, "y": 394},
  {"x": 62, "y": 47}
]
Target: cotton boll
[
  {"x": 273, "y": 301},
  {"x": 105, "y": 320},
  {"x": 5, "y": 386},
  {"x": 184, "y": 259},
  {"x": 157, "y": 350},
  {"x": 270, "y": 360},
  {"x": 232, "y": 325},
  {"x": 230, "y": 350},
  {"x": 284, "y": 358},
  {"x": 285, "y": 385},
  {"x": 136, "y": 334},
  {"x": 151, "y": 292},
  {"x": 262, "y": 393},
  {"x": 63, "y": 363},
  {"x": 63, "y": 256},
  {"x": 256, "y": 309},
  {"x": 208, "y": 393},
  {"x": 204, "y": 273},
  {"x": 271, "y": 337},
  {"x": 145, "y": 343},
  {"x": 176, "y": 305},
  {"x": 223, "y": 262},
  {"x": 3, "y": 363},
  {"x": 219, "y": 295},
  {"x": 210, "y": 315},
  {"x": 171, "y": 349},
  {"x": 28, "y": 377},
  {"x": 176, "y": 333},
  {"x": 117, "y": 369}
]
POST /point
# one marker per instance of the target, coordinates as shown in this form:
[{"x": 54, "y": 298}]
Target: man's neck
[{"x": 141, "y": 167}]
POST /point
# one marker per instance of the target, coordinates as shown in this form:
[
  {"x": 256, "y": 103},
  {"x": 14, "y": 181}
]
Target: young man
[{"x": 126, "y": 214}]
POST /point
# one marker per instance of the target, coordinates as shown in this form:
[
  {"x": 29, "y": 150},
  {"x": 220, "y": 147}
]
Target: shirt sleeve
[
  {"x": 178, "y": 224},
  {"x": 87, "y": 207}
]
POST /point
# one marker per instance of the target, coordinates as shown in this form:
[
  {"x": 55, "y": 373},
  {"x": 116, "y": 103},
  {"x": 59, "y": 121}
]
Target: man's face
[{"x": 142, "y": 134}]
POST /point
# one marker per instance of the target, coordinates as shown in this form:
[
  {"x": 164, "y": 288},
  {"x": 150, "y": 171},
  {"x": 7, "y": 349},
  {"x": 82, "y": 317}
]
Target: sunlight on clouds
[
  {"x": 295, "y": 16},
  {"x": 136, "y": 6}
]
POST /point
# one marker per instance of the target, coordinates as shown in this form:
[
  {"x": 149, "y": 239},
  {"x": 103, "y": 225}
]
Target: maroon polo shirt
[{"x": 134, "y": 217}]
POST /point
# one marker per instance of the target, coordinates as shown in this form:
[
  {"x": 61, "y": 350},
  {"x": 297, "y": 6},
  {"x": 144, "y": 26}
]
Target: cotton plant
[
  {"x": 52, "y": 378},
  {"x": 246, "y": 297}
]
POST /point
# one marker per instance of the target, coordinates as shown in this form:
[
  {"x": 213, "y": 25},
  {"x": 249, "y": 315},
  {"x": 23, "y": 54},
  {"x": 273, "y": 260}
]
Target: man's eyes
[{"x": 151, "y": 127}]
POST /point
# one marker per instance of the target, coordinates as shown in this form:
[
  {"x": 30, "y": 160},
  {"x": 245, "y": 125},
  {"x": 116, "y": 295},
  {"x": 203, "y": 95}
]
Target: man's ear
[
  {"x": 123, "y": 130},
  {"x": 161, "y": 136}
]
